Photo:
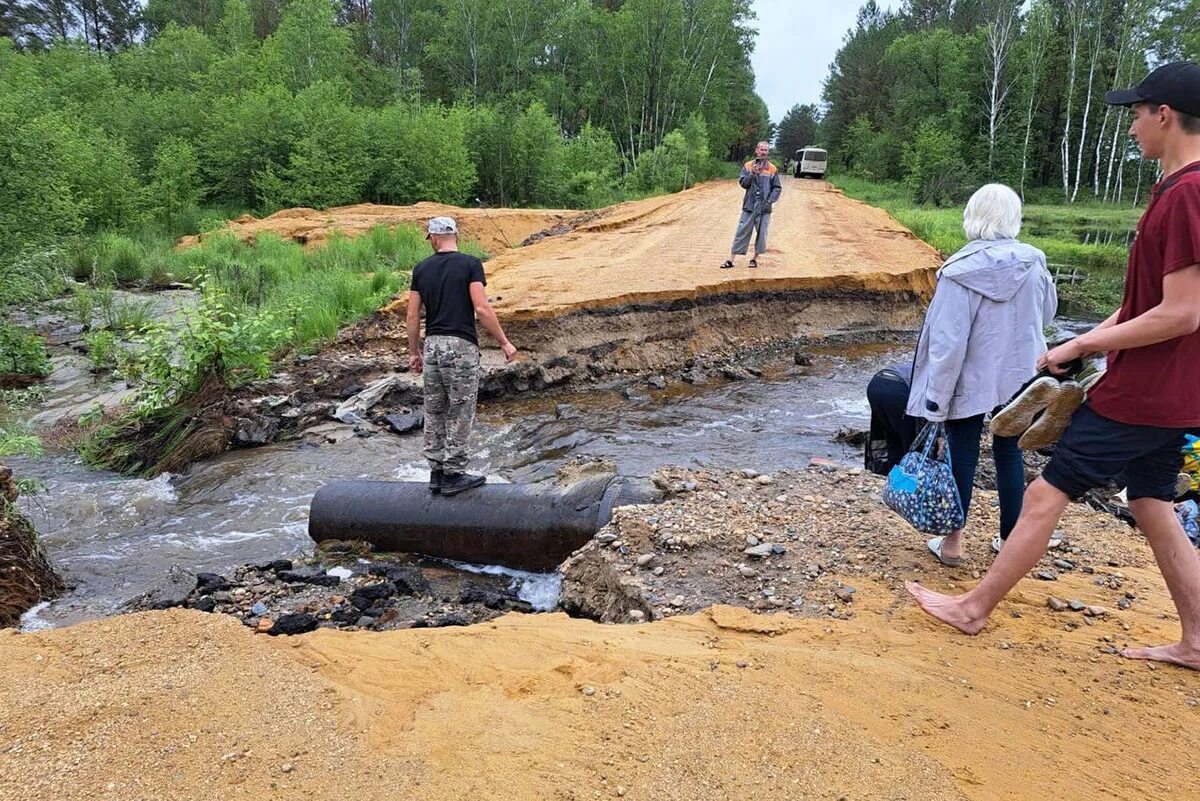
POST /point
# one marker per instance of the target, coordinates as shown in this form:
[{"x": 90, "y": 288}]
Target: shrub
[
  {"x": 174, "y": 180},
  {"x": 82, "y": 306},
  {"x": 22, "y": 352},
  {"x": 102, "y": 350},
  {"x": 421, "y": 154},
  {"x": 937, "y": 173},
  {"x": 211, "y": 341}
]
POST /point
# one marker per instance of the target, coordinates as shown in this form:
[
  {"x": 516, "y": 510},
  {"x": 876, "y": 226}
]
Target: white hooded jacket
[{"x": 983, "y": 333}]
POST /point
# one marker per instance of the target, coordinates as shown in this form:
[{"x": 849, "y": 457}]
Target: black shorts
[{"x": 1096, "y": 452}]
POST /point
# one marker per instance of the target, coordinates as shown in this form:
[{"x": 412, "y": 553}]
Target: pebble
[
  {"x": 287, "y": 767},
  {"x": 605, "y": 537},
  {"x": 761, "y": 551},
  {"x": 844, "y": 594},
  {"x": 658, "y": 571},
  {"x": 1064, "y": 564},
  {"x": 637, "y": 615},
  {"x": 1095, "y": 611},
  {"x": 751, "y": 540},
  {"x": 749, "y": 473},
  {"x": 764, "y": 480},
  {"x": 588, "y": 690},
  {"x": 678, "y": 600},
  {"x": 1076, "y": 605},
  {"x": 1046, "y": 575},
  {"x": 645, "y": 559},
  {"x": 259, "y": 609},
  {"x": 1056, "y": 604},
  {"x": 747, "y": 571}
]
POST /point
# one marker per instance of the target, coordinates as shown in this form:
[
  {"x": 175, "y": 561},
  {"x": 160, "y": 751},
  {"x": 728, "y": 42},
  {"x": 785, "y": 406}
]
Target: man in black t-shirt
[{"x": 449, "y": 285}]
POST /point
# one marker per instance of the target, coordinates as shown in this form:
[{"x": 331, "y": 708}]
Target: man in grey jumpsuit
[{"x": 760, "y": 179}]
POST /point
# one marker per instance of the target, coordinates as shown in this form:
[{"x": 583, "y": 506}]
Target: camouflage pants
[{"x": 451, "y": 387}]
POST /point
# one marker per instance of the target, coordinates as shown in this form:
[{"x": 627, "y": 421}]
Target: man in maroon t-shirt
[{"x": 1132, "y": 429}]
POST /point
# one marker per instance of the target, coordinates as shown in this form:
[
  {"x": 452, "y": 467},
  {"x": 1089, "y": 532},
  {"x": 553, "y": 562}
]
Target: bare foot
[
  {"x": 1177, "y": 654},
  {"x": 946, "y": 608}
]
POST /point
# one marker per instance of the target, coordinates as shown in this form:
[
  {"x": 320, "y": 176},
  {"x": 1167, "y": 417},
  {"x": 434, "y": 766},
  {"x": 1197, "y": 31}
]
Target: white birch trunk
[
  {"x": 1075, "y": 20},
  {"x": 1083, "y": 127}
]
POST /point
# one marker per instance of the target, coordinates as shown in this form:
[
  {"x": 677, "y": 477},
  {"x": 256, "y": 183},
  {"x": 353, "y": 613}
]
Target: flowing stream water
[{"x": 115, "y": 537}]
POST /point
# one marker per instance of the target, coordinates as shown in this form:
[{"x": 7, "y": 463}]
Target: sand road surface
[
  {"x": 670, "y": 248},
  {"x": 664, "y": 248}
]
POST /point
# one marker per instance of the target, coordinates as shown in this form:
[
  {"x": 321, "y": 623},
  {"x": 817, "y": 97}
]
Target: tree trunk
[
  {"x": 1075, "y": 21},
  {"x": 1087, "y": 108}
]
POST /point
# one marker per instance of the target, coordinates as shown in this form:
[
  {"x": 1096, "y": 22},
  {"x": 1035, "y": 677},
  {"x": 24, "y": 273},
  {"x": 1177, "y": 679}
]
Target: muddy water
[{"x": 115, "y": 537}]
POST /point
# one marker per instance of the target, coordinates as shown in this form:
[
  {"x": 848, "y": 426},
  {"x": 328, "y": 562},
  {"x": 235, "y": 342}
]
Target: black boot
[
  {"x": 454, "y": 483},
  {"x": 436, "y": 477}
]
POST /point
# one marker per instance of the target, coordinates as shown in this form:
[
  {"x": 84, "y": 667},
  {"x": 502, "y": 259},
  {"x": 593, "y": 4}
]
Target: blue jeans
[{"x": 964, "y": 438}]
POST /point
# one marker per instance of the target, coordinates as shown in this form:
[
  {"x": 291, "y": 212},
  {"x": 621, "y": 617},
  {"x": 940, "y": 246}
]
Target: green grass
[
  {"x": 318, "y": 291},
  {"x": 16, "y": 436},
  {"x": 1055, "y": 229}
]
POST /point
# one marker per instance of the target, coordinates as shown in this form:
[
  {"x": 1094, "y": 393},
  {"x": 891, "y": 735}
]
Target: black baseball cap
[{"x": 1176, "y": 85}]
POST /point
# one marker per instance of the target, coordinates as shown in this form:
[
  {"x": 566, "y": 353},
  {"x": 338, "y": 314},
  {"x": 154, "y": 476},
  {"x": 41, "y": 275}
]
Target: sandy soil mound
[
  {"x": 495, "y": 229},
  {"x": 877, "y": 703}
]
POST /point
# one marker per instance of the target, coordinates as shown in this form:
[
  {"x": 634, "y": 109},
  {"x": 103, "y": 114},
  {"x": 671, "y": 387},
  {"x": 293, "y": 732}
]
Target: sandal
[
  {"x": 1048, "y": 428},
  {"x": 935, "y": 547},
  {"x": 753, "y": 263},
  {"x": 727, "y": 265}
]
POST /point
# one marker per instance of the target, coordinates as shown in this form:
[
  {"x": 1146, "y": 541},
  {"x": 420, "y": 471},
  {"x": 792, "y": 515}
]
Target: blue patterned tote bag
[{"x": 921, "y": 488}]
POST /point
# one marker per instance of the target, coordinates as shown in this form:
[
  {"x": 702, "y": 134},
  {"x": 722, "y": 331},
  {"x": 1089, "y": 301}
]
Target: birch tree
[
  {"x": 999, "y": 37},
  {"x": 1038, "y": 30}
]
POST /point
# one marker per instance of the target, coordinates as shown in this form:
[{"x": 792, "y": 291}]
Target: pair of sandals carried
[
  {"x": 1041, "y": 411},
  {"x": 728, "y": 264}
]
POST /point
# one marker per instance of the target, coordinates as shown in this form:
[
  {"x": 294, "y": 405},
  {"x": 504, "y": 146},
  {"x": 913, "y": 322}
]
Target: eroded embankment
[
  {"x": 638, "y": 289},
  {"x": 875, "y": 702}
]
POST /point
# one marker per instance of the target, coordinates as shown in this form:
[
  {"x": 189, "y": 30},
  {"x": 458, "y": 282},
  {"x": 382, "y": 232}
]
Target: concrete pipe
[{"x": 528, "y": 527}]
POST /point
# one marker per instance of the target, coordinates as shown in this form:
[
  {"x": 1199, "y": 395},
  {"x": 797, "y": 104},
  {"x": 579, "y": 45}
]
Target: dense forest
[
  {"x": 115, "y": 112},
  {"x": 946, "y": 94}
]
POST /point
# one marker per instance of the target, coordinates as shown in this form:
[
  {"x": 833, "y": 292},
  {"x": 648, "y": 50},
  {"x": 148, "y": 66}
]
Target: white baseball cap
[{"x": 441, "y": 226}]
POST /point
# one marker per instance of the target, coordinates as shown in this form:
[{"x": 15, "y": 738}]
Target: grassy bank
[{"x": 1060, "y": 231}]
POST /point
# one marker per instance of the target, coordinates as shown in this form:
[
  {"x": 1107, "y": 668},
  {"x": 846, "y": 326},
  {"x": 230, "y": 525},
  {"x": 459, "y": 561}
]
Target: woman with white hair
[{"x": 980, "y": 343}]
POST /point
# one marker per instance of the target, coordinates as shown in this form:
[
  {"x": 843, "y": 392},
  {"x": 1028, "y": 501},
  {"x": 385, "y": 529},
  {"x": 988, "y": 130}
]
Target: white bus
[{"x": 811, "y": 161}]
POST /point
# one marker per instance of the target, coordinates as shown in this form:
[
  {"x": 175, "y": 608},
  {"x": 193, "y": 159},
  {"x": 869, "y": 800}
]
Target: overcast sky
[{"x": 797, "y": 40}]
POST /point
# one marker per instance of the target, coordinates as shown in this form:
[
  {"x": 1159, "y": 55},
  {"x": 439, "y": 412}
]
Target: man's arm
[
  {"x": 746, "y": 177},
  {"x": 491, "y": 323},
  {"x": 776, "y": 188},
  {"x": 413, "y": 326},
  {"x": 1178, "y": 315}
]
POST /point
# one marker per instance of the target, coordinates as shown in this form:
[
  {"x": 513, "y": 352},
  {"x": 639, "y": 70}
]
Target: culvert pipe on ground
[{"x": 523, "y": 526}]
